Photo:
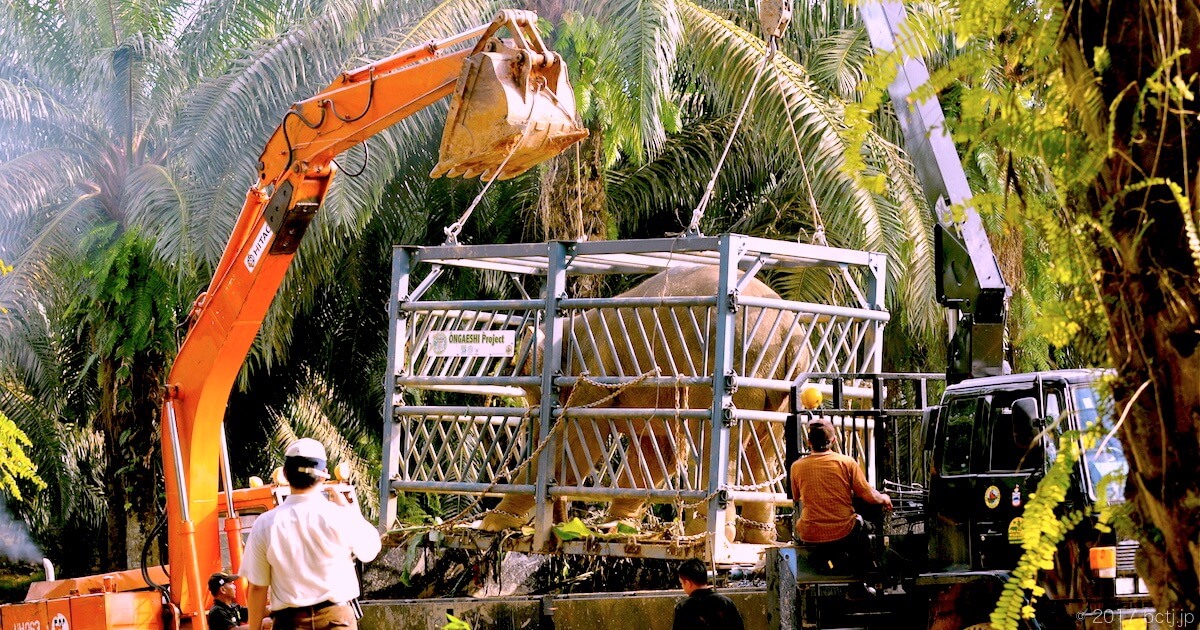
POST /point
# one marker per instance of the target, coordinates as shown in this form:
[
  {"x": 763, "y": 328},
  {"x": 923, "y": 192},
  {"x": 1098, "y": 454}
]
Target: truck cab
[
  {"x": 956, "y": 533},
  {"x": 990, "y": 441}
]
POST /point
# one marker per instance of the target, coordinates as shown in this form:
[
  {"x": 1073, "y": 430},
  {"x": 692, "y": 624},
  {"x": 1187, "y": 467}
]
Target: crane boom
[
  {"x": 969, "y": 280},
  {"x": 514, "y": 98}
]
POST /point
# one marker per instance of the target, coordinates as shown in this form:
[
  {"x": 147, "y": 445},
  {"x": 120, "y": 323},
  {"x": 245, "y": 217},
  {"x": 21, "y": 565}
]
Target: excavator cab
[{"x": 512, "y": 107}]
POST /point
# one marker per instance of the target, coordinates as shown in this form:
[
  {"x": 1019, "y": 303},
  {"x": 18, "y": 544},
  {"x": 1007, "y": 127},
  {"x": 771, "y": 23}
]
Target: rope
[
  {"x": 698, "y": 214},
  {"x": 818, "y": 223}
]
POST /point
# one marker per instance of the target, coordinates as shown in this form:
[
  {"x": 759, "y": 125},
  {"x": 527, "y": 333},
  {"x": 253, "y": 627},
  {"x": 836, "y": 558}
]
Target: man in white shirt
[{"x": 303, "y": 551}]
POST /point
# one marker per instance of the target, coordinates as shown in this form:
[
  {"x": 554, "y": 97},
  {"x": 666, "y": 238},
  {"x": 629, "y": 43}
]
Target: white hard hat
[{"x": 306, "y": 447}]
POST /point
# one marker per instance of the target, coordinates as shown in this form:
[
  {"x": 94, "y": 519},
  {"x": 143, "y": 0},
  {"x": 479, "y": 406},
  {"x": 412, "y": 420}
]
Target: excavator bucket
[{"x": 512, "y": 109}]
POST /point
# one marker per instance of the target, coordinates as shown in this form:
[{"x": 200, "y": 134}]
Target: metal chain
[
  {"x": 753, "y": 524},
  {"x": 757, "y": 486}
]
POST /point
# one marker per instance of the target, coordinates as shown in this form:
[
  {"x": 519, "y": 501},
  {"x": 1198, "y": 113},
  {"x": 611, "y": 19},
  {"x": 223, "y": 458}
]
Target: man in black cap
[
  {"x": 704, "y": 608},
  {"x": 225, "y": 613}
]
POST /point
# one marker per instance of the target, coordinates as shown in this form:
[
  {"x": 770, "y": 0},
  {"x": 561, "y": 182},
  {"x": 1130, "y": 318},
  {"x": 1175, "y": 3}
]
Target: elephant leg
[
  {"x": 696, "y": 517},
  {"x": 632, "y": 475},
  {"x": 582, "y": 446},
  {"x": 650, "y": 458},
  {"x": 513, "y": 510},
  {"x": 762, "y": 462},
  {"x": 758, "y": 523}
]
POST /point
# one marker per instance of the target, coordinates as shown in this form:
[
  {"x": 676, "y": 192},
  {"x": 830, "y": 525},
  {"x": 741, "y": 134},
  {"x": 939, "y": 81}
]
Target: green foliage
[
  {"x": 127, "y": 303},
  {"x": 1044, "y": 529},
  {"x": 208, "y": 85},
  {"x": 454, "y": 623},
  {"x": 573, "y": 529},
  {"x": 1046, "y": 525},
  {"x": 316, "y": 411},
  {"x": 621, "y": 57},
  {"x": 1001, "y": 78},
  {"x": 15, "y": 465}
]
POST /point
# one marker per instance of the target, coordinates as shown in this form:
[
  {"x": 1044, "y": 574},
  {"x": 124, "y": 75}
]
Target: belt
[{"x": 296, "y": 610}]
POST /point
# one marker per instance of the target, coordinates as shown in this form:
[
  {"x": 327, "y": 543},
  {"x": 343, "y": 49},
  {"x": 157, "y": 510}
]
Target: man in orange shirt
[{"x": 824, "y": 484}]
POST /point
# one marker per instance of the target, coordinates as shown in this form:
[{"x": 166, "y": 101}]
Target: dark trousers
[
  {"x": 850, "y": 555},
  {"x": 315, "y": 618}
]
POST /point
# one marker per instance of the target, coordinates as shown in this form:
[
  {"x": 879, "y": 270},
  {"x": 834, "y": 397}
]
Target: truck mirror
[
  {"x": 929, "y": 419},
  {"x": 1026, "y": 421}
]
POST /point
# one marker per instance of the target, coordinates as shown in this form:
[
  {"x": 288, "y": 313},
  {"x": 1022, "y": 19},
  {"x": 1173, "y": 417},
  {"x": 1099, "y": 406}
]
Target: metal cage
[{"x": 632, "y": 398}]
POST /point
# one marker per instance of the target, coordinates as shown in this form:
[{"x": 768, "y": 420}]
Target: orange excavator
[{"x": 512, "y": 108}]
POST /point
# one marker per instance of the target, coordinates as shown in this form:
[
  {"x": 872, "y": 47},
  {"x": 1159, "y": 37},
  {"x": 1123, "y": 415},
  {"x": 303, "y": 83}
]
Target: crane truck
[
  {"x": 512, "y": 108},
  {"x": 961, "y": 470}
]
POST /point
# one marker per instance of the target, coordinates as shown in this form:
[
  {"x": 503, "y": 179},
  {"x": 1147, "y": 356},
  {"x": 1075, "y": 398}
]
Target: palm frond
[
  {"x": 55, "y": 236},
  {"x": 218, "y": 30},
  {"x": 160, "y": 203},
  {"x": 799, "y": 124},
  {"x": 315, "y": 412},
  {"x": 42, "y": 43},
  {"x": 651, "y": 193},
  {"x": 725, "y": 55},
  {"x": 30, "y": 182},
  {"x": 837, "y": 60},
  {"x": 33, "y": 118},
  {"x": 404, "y": 25},
  {"x": 648, "y": 36}
]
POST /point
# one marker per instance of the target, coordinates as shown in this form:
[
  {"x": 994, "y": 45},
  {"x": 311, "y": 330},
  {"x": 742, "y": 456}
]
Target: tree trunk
[
  {"x": 143, "y": 481},
  {"x": 1150, "y": 277},
  {"x": 131, "y": 486},
  {"x": 114, "y": 491},
  {"x": 573, "y": 205}
]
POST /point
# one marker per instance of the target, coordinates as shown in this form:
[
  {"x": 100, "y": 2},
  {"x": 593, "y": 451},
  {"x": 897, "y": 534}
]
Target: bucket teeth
[{"x": 500, "y": 113}]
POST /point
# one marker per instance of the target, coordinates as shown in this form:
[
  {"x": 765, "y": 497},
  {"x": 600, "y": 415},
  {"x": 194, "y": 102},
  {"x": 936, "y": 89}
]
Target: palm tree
[
  {"x": 81, "y": 123},
  {"x": 130, "y": 133},
  {"x": 690, "y": 71},
  {"x": 652, "y": 128},
  {"x": 41, "y": 393}
]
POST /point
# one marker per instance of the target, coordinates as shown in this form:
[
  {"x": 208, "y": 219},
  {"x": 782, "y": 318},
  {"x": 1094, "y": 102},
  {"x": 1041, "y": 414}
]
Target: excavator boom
[{"x": 512, "y": 108}]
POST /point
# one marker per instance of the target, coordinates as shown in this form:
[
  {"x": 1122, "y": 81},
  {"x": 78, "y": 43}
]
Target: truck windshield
[{"x": 1104, "y": 461}]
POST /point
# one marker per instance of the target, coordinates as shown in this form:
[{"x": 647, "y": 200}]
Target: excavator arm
[
  {"x": 512, "y": 108},
  {"x": 969, "y": 281}
]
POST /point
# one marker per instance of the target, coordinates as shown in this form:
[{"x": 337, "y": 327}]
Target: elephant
[{"x": 673, "y": 342}]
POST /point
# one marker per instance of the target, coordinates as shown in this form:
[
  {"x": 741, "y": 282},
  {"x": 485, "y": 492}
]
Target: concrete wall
[{"x": 646, "y": 610}]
